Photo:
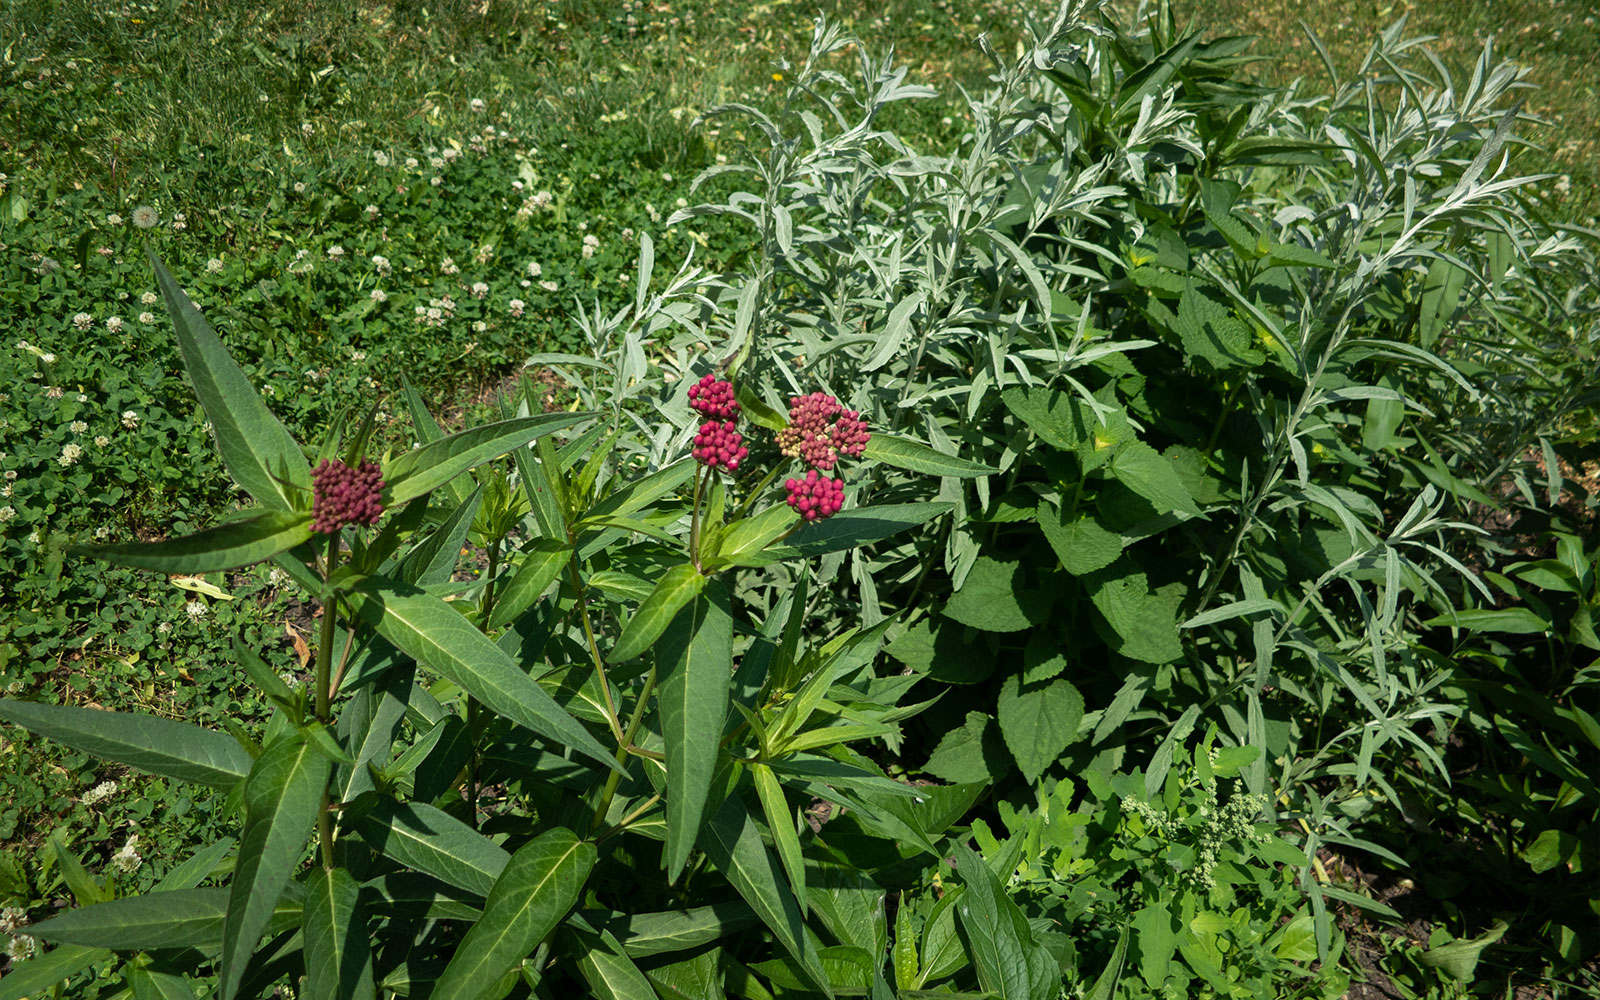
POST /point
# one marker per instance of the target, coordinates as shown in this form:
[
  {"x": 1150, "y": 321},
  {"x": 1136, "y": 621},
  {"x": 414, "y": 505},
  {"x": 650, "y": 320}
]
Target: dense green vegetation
[{"x": 1212, "y": 612}]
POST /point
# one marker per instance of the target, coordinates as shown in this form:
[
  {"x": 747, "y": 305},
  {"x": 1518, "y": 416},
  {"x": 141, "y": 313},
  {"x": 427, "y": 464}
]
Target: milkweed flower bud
[
  {"x": 341, "y": 495},
  {"x": 718, "y": 443},
  {"x": 820, "y": 430},
  {"x": 816, "y": 496},
  {"x": 713, "y": 398}
]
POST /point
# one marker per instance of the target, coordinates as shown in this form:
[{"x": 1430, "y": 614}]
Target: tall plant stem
[
  {"x": 594, "y": 651},
  {"x": 324, "y": 697},
  {"x": 624, "y": 748},
  {"x": 485, "y": 609},
  {"x": 694, "y": 520}
]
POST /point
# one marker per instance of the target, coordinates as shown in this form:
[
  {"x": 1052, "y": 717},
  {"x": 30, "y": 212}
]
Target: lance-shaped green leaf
[
  {"x": 540, "y": 884},
  {"x": 433, "y": 842},
  {"x": 149, "y": 984},
  {"x": 998, "y": 932},
  {"x": 915, "y": 456},
  {"x": 781, "y": 822},
  {"x": 676, "y": 588},
  {"x": 434, "y": 559},
  {"x": 436, "y": 636},
  {"x": 646, "y": 934},
  {"x": 735, "y": 848},
  {"x": 745, "y": 538},
  {"x": 259, "y": 452},
  {"x": 851, "y": 529},
  {"x": 640, "y": 493},
  {"x": 281, "y": 799},
  {"x": 182, "y": 918},
  {"x": 338, "y": 947},
  {"x": 606, "y": 967},
  {"x": 427, "y": 468},
  {"x": 160, "y": 746},
  {"x": 541, "y": 564},
  {"x": 38, "y": 976},
  {"x": 695, "y": 661},
  {"x": 227, "y": 546}
]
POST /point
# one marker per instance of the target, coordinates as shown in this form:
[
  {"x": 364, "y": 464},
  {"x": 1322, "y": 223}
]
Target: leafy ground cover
[{"x": 1266, "y": 524}]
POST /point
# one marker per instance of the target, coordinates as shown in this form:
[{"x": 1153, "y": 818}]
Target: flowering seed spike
[
  {"x": 820, "y": 430},
  {"x": 713, "y": 398},
  {"x": 816, "y": 496},
  {"x": 718, "y": 443},
  {"x": 341, "y": 495}
]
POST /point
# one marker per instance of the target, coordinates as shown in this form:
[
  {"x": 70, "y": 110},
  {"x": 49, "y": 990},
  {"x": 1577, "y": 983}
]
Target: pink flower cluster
[
  {"x": 341, "y": 495},
  {"x": 718, "y": 443},
  {"x": 820, "y": 430},
  {"x": 815, "y": 496},
  {"x": 713, "y": 398}
]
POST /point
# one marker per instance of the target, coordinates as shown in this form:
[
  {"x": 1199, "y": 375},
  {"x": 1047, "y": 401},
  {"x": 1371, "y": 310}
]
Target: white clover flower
[
  {"x": 336, "y": 253},
  {"x": 476, "y": 104},
  {"x": 8, "y": 491},
  {"x": 164, "y": 628},
  {"x": 382, "y": 264},
  {"x": 436, "y": 181},
  {"x": 83, "y": 398},
  {"x": 23, "y": 345},
  {"x": 48, "y": 359},
  {"x": 411, "y": 163},
  {"x": 83, "y": 321},
  {"x": 130, "y": 419},
  {"x": 372, "y": 211},
  {"x": 21, "y": 948},
  {"x": 77, "y": 427},
  {"x": 101, "y": 441},
  {"x": 11, "y": 475},
  {"x": 196, "y": 609},
  {"x": 145, "y": 217},
  {"x": 517, "y": 305},
  {"x": 380, "y": 158},
  {"x": 378, "y": 295},
  {"x": 113, "y": 219},
  {"x": 682, "y": 203},
  {"x": 277, "y": 577},
  {"x": 548, "y": 286},
  {"x": 358, "y": 355},
  {"x": 11, "y": 918},
  {"x": 479, "y": 289},
  {"x": 149, "y": 298},
  {"x": 7, "y": 513},
  {"x": 448, "y": 266},
  {"x": 299, "y": 187},
  {"x": 180, "y": 221},
  {"x": 535, "y": 269},
  {"x": 147, "y": 317},
  {"x": 70, "y": 453},
  {"x": 588, "y": 251},
  {"x": 542, "y": 199},
  {"x": 99, "y": 793},
  {"x": 127, "y": 860},
  {"x": 484, "y": 255},
  {"x": 450, "y": 153},
  {"x": 306, "y": 128},
  {"x": 33, "y": 537},
  {"x": 53, "y": 392},
  {"x": 114, "y": 324}
]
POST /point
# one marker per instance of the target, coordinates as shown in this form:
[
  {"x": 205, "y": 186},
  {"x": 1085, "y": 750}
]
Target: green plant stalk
[
  {"x": 330, "y": 616},
  {"x": 694, "y": 520},
  {"x": 625, "y": 748},
  {"x": 484, "y": 610},
  {"x": 594, "y": 651}
]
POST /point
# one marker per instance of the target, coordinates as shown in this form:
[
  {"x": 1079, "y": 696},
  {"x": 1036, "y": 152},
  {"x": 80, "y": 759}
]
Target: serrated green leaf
[
  {"x": 539, "y": 885},
  {"x": 227, "y": 546},
  {"x": 992, "y": 598},
  {"x": 1082, "y": 544},
  {"x": 1144, "y": 471},
  {"x": 1144, "y": 625},
  {"x": 673, "y": 591},
  {"x": 338, "y": 944},
  {"x": 1038, "y": 722},
  {"x": 974, "y": 752},
  {"x": 160, "y": 746},
  {"x": 281, "y": 799},
  {"x": 1210, "y": 332},
  {"x": 1155, "y": 941},
  {"x": 258, "y": 451},
  {"x": 425, "y": 469},
  {"x": 695, "y": 661}
]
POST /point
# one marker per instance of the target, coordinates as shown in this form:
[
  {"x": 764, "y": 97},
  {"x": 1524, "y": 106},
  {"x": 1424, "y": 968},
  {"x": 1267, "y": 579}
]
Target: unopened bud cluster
[
  {"x": 718, "y": 444},
  {"x": 713, "y": 398},
  {"x": 820, "y": 430},
  {"x": 816, "y": 496},
  {"x": 341, "y": 495}
]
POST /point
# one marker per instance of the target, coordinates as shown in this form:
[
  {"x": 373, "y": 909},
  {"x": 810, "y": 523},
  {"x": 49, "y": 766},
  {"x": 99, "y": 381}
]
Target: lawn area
[{"x": 1133, "y": 533}]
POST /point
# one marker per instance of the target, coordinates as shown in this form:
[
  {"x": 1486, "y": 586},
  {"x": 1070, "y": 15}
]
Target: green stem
[
  {"x": 594, "y": 652},
  {"x": 330, "y": 615},
  {"x": 694, "y": 520},
  {"x": 624, "y": 747}
]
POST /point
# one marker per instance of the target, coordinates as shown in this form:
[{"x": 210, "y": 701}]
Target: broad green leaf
[
  {"x": 1459, "y": 959},
  {"x": 85, "y": 890},
  {"x": 781, "y": 822},
  {"x": 424, "y": 469},
  {"x": 999, "y": 935},
  {"x": 38, "y": 976},
  {"x": 183, "y": 918},
  {"x": 160, "y": 746},
  {"x": 1144, "y": 625},
  {"x": 606, "y": 967},
  {"x": 645, "y": 934},
  {"x": 695, "y": 661},
  {"x": 436, "y": 636},
  {"x": 368, "y": 724},
  {"x": 974, "y": 752},
  {"x": 853, "y": 528},
  {"x": 540, "y": 566},
  {"x": 1155, "y": 941},
  {"x": 1441, "y": 293},
  {"x": 640, "y": 493},
  {"x": 539, "y": 885},
  {"x": 433, "y": 560},
  {"x": 281, "y": 799},
  {"x": 904, "y": 953},
  {"x": 992, "y": 598},
  {"x": 676, "y": 588},
  {"x": 149, "y": 984},
  {"x": 1144, "y": 471},
  {"x": 696, "y": 978},
  {"x": 748, "y": 536},
  {"x": 338, "y": 943},
  {"x": 259, "y": 452},
  {"x": 1083, "y": 545},
  {"x": 1211, "y": 332},
  {"x": 914, "y": 456},
  {"x": 422, "y": 897},
  {"x": 419, "y": 836},
  {"x": 734, "y": 846},
  {"x": 227, "y": 546},
  {"x": 1038, "y": 722}
]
